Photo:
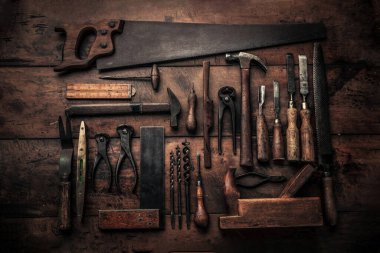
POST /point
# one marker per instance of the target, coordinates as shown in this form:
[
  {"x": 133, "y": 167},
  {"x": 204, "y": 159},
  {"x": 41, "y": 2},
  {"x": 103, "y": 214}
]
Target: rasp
[
  {"x": 81, "y": 171},
  {"x": 322, "y": 120},
  {"x": 152, "y": 42}
]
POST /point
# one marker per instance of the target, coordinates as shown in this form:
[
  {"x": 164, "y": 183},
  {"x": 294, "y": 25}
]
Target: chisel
[
  {"x": 262, "y": 130},
  {"x": 322, "y": 118},
  {"x": 278, "y": 143},
  {"x": 81, "y": 171}
]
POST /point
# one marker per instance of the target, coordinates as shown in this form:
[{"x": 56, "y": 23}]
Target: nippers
[
  {"x": 102, "y": 144},
  {"x": 263, "y": 179},
  {"x": 227, "y": 96},
  {"x": 125, "y": 132}
]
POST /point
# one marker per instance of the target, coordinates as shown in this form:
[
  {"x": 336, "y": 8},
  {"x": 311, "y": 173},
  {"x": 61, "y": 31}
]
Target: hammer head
[
  {"x": 175, "y": 109},
  {"x": 245, "y": 60}
]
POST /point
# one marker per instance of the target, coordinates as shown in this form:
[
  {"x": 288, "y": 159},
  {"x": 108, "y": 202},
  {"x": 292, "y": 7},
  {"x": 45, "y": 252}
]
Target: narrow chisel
[
  {"x": 262, "y": 130},
  {"x": 278, "y": 143}
]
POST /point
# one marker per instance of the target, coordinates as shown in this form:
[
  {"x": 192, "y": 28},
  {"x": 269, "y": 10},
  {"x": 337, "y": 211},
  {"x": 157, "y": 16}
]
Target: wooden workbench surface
[{"x": 32, "y": 97}]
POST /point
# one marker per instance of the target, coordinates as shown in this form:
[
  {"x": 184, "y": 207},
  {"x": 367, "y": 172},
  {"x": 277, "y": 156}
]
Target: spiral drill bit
[
  {"x": 179, "y": 181},
  {"x": 186, "y": 173},
  {"x": 172, "y": 162}
]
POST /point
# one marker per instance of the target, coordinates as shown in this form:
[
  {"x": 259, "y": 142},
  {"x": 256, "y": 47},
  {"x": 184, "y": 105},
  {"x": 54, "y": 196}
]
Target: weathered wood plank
[
  {"x": 33, "y": 98},
  {"x": 29, "y": 38},
  {"x": 29, "y": 176}
]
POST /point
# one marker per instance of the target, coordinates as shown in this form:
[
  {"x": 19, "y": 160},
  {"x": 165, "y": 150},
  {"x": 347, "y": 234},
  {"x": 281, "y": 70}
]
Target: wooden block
[
  {"x": 99, "y": 91},
  {"x": 129, "y": 219},
  {"x": 275, "y": 212}
]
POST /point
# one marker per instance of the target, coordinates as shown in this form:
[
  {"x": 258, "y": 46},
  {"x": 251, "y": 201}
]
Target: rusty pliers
[
  {"x": 102, "y": 144},
  {"x": 125, "y": 132},
  {"x": 227, "y": 96}
]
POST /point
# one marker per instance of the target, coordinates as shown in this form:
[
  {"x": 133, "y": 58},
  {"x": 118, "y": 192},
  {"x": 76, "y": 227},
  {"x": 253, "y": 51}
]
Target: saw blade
[
  {"x": 304, "y": 85},
  {"x": 153, "y": 42}
]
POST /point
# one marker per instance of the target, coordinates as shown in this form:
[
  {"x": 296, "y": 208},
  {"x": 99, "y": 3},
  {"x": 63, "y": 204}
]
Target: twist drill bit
[
  {"x": 186, "y": 173},
  {"x": 179, "y": 182},
  {"x": 172, "y": 215}
]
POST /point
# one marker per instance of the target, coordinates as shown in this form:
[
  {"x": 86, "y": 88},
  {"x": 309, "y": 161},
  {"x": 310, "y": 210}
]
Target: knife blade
[{"x": 81, "y": 171}]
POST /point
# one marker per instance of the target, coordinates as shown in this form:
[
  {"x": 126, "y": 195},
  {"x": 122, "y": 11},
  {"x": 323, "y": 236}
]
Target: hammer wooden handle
[
  {"x": 246, "y": 131},
  {"x": 292, "y": 136},
  {"x": 329, "y": 200},
  {"x": 262, "y": 139},
  {"x": 307, "y": 142},
  {"x": 278, "y": 143},
  {"x": 64, "y": 217},
  {"x": 201, "y": 216},
  {"x": 191, "y": 121}
]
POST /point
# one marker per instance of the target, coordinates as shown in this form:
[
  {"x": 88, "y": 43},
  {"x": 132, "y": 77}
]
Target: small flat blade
[
  {"x": 153, "y": 42},
  {"x": 276, "y": 94},
  {"x": 81, "y": 171},
  {"x": 291, "y": 75},
  {"x": 304, "y": 85}
]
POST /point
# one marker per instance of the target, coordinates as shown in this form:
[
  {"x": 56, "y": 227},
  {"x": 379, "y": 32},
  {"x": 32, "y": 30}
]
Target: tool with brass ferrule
[
  {"x": 81, "y": 171},
  {"x": 322, "y": 120},
  {"x": 64, "y": 172},
  {"x": 101, "y": 154},
  {"x": 208, "y": 115},
  {"x": 201, "y": 215},
  {"x": 227, "y": 96},
  {"x": 179, "y": 187},
  {"x": 278, "y": 143},
  {"x": 262, "y": 130},
  {"x": 307, "y": 142},
  {"x": 292, "y": 132},
  {"x": 172, "y": 214},
  {"x": 187, "y": 166}
]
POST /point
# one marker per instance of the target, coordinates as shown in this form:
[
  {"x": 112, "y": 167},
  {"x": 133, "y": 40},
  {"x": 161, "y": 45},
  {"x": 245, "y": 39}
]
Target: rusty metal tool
[
  {"x": 292, "y": 132},
  {"x": 227, "y": 96},
  {"x": 102, "y": 141},
  {"x": 173, "y": 108},
  {"x": 191, "y": 120},
  {"x": 81, "y": 171},
  {"x": 322, "y": 120},
  {"x": 245, "y": 61},
  {"x": 201, "y": 215},
  {"x": 278, "y": 143},
  {"x": 208, "y": 115},
  {"x": 262, "y": 130},
  {"x": 125, "y": 132},
  {"x": 187, "y": 166},
  {"x": 154, "y": 77},
  {"x": 179, "y": 186},
  {"x": 172, "y": 212},
  {"x": 64, "y": 172},
  {"x": 307, "y": 141},
  {"x": 142, "y": 42}
]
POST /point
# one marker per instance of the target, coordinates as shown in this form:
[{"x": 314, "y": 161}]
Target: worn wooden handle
[
  {"x": 307, "y": 141},
  {"x": 155, "y": 75},
  {"x": 64, "y": 217},
  {"x": 246, "y": 132},
  {"x": 297, "y": 181},
  {"x": 292, "y": 136},
  {"x": 278, "y": 143},
  {"x": 329, "y": 201},
  {"x": 231, "y": 193},
  {"x": 201, "y": 216},
  {"x": 262, "y": 139},
  {"x": 191, "y": 121}
]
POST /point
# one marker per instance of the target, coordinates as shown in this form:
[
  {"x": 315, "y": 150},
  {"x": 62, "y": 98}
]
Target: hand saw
[{"x": 142, "y": 42}]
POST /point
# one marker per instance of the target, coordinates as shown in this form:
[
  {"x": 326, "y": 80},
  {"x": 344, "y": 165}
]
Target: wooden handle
[
  {"x": 329, "y": 201},
  {"x": 297, "y": 181},
  {"x": 246, "y": 132},
  {"x": 231, "y": 193},
  {"x": 201, "y": 216},
  {"x": 262, "y": 139},
  {"x": 292, "y": 137},
  {"x": 278, "y": 143},
  {"x": 307, "y": 141},
  {"x": 64, "y": 217},
  {"x": 191, "y": 121},
  {"x": 208, "y": 115},
  {"x": 155, "y": 75}
]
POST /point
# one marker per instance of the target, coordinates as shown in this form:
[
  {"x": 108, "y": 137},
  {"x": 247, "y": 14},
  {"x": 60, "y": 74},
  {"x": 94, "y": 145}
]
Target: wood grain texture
[
  {"x": 262, "y": 137},
  {"x": 307, "y": 137},
  {"x": 129, "y": 219},
  {"x": 99, "y": 91},
  {"x": 292, "y": 136}
]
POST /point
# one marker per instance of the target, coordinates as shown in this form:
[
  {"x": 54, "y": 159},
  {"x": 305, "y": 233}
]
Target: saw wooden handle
[
  {"x": 64, "y": 216},
  {"x": 278, "y": 143},
  {"x": 246, "y": 131},
  {"x": 292, "y": 136},
  {"x": 262, "y": 139},
  {"x": 307, "y": 142},
  {"x": 201, "y": 215},
  {"x": 191, "y": 121},
  {"x": 329, "y": 200},
  {"x": 74, "y": 35}
]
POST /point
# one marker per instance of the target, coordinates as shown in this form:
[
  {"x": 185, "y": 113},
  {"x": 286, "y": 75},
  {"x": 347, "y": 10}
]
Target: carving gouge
[
  {"x": 307, "y": 142},
  {"x": 262, "y": 130},
  {"x": 322, "y": 119},
  {"x": 81, "y": 170},
  {"x": 278, "y": 143},
  {"x": 292, "y": 132}
]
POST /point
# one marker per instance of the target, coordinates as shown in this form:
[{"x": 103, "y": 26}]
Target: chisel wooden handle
[
  {"x": 201, "y": 216},
  {"x": 191, "y": 121},
  {"x": 297, "y": 181},
  {"x": 278, "y": 143},
  {"x": 64, "y": 217},
  {"x": 292, "y": 136},
  {"x": 262, "y": 139},
  {"x": 329, "y": 200},
  {"x": 246, "y": 132},
  {"x": 307, "y": 142}
]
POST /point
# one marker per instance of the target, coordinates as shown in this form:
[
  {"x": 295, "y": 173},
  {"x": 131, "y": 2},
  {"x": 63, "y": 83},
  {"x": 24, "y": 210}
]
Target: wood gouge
[
  {"x": 278, "y": 143},
  {"x": 262, "y": 130}
]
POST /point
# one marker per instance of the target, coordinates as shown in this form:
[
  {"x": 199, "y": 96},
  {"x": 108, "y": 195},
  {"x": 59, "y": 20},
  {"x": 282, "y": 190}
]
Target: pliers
[
  {"x": 125, "y": 132},
  {"x": 227, "y": 96},
  {"x": 102, "y": 144},
  {"x": 264, "y": 179}
]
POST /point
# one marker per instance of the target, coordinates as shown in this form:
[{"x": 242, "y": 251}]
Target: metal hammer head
[
  {"x": 245, "y": 60},
  {"x": 175, "y": 108}
]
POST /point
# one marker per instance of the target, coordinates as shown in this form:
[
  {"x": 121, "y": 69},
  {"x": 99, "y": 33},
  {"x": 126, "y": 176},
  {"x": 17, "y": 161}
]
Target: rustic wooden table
[{"x": 32, "y": 97}]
